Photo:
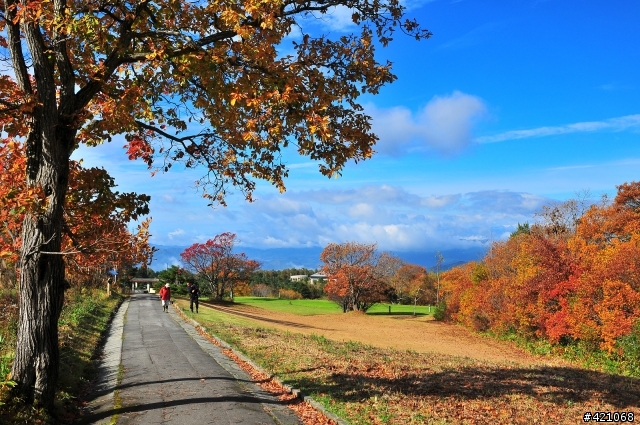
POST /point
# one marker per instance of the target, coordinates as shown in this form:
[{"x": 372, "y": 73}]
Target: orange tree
[
  {"x": 95, "y": 218},
  {"x": 353, "y": 279},
  {"x": 95, "y": 226},
  {"x": 196, "y": 82},
  {"x": 15, "y": 199},
  {"x": 411, "y": 282}
]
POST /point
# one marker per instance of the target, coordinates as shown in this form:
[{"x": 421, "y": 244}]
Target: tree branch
[
  {"x": 15, "y": 47},
  {"x": 180, "y": 140}
]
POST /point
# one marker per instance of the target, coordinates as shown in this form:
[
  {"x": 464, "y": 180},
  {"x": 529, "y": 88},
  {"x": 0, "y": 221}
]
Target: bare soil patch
[{"x": 420, "y": 334}]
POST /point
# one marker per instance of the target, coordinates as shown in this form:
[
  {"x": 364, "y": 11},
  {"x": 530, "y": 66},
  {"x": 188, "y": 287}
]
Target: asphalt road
[{"x": 172, "y": 375}]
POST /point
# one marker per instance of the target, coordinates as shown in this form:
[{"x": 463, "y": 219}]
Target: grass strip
[
  {"x": 370, "y": 385},
  {"x": 117, "y": 400},
  {"x": 81, "y": 328}
]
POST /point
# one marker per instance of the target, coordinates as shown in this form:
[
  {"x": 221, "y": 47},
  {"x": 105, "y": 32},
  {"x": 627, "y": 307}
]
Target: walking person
[
  {"x": 194, "y": 293},
  {"x": 165, "y": 296}
]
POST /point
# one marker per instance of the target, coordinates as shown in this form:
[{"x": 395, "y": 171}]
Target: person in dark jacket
[{"x": 194, "y": 293}]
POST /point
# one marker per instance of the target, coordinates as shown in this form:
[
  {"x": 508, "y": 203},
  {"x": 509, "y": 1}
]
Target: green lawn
[
  {"x": 299, "y": 307},
  {"x": 399, "y": 309},
  {"x": 313, "y": 307}
]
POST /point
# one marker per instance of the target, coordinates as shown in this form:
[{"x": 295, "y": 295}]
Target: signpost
[{"x": 114, "y": 273}]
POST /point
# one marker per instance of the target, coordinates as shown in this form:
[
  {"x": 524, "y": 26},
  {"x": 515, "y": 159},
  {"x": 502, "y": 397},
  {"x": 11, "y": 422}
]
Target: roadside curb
[
  {"x": 107, "y": 366},
  {"x": 295, "y": 391}
]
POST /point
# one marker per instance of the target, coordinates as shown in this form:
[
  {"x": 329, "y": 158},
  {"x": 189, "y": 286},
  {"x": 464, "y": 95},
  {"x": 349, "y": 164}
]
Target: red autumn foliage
[
  {"x": 220, "y": 268},
  {"x": 582, "y": 286}
]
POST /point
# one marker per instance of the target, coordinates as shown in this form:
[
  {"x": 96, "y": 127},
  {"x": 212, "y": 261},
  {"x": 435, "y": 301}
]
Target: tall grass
[{"x": 625, "y": 362}]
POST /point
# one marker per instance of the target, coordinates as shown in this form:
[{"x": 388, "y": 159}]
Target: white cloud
[
  {"x": 178, "y": 232},
  {"x": 474, "y": 238},
  {"x": 439, "y": 201},
  {"x": 505, "y": 202},
  {"x": 612, "y": 124},
  {"x": 338, "y": 19},
  {"x": 382, "y": 194},
  {"x": 448, "y": 121},
  {"x": 362, "y": 210},
  {"x": 444, "y": 125},
  {"x": 390, "y": 216}
]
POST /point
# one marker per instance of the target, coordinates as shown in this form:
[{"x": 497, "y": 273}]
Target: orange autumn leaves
[
  {"x": 575, "y": 282},
  {"x": 15, "y": 198},
  {"x": 95, "y": 219}
]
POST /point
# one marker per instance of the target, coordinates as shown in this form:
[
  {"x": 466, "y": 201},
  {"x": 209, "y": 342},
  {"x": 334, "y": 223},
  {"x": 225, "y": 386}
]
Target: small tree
[
  {"x": 410, "y": 280},
  {"x": 215, "y": 262},
  {"x": 175, "y": 275},
  {"x": 387, "y": 267},
  {"x": 439, "y": 261},
  {"x": 354, "y": 281}
]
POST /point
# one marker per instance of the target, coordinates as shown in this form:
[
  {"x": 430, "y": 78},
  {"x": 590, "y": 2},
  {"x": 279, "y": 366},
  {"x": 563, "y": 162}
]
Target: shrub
[
  {"x": 290, "y": 294},
  {"x": 630, "y": 347},
  {"x": 440, "y": 311},
  {"x": 261, "y": 290}
]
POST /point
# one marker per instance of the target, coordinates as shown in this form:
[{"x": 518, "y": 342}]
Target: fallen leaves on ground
[
  {"x": 307, "y": 413},
  {"x": 369, "y": 385}
]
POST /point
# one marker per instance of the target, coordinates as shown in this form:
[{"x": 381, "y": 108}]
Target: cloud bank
[
  {"x": 390, "y": 216},
  {"x": 445, "y": 125},
  {"x": 612, "y": 124}
]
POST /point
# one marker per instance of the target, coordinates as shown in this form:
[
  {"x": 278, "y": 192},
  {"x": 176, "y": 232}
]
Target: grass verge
[
  {"x": 82, "y": 323},
  {"x": 117, "y": 400},
  {"x": 369, "y": 385}
]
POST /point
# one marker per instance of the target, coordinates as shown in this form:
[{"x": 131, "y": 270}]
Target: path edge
[
  {"x": 295, "y": 391},
  {"x": 102, "y": 395}
]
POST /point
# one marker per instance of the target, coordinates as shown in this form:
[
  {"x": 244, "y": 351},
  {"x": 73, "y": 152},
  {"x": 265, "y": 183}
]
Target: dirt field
[{"x": 421, "y": 334}]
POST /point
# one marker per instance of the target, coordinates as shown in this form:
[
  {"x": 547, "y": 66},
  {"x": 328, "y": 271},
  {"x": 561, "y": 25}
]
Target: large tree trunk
[
  {"x": 42, "y": 274},
  {"x": 49, "y": 144}
]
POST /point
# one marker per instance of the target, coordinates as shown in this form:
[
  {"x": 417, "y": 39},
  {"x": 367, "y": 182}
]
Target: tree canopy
[
  {"x": 354, "y": 279},
  {"x": 215, "y": 263},
  {"x": 225, "y": 85},
  {"x": 574, "y": 277}
]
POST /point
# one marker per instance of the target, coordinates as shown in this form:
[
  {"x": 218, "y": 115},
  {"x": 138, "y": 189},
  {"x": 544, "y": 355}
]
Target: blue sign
[{"x": 113, "y": 272}]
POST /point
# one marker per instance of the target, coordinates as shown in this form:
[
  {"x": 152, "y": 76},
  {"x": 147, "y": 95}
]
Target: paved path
[{"x": 172, "y": 375}]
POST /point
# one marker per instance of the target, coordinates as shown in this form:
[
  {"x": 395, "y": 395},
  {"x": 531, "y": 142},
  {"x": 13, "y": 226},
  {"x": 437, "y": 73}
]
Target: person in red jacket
[{"x": 165, "y": 296}]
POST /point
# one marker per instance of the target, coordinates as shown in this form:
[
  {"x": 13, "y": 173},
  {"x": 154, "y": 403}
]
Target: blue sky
[{"x": 508, "y": 107}]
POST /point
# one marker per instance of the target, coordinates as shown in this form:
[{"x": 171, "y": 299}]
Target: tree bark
[
  {"x": 49, "y": 144},
  {"x": 42, "y": 274}
]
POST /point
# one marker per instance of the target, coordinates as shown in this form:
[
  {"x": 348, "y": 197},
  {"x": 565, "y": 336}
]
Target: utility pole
[{"x": 439, "y": 261}]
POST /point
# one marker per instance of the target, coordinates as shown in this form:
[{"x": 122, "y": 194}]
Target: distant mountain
[
  {"x": 286, "y": 258},
  {"x": 271, "y": 259},
  {"x": 452, "y": 257}
]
